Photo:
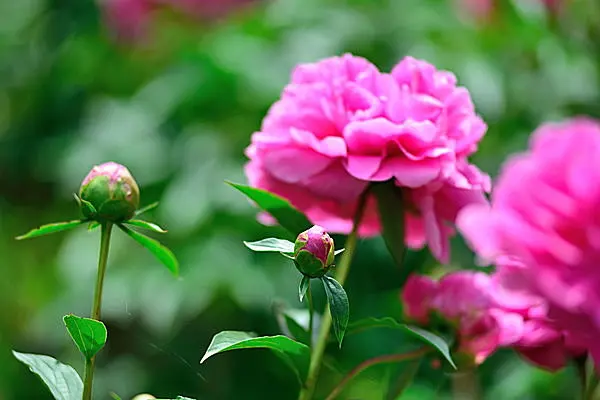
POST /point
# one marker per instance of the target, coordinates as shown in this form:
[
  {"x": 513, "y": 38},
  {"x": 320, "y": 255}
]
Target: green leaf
[
  {"x": 434, "y": 340},
  {"x": 161, "y": 252},
  {"x": 423, "y": 335},
  {"x": 88, "y": 334},
  {"x": 61, "y": 379},
  {"x": 50, "y": 228},
  {"x": 271, "y": 244},
  {"x": 303, "y": 287},
  {"x": 145, "y": 225},
  {"x": 391, "y": 215},
  {"x": 147, "y": 208},
  {"x": 338, "y": 252},
  {"x": 296, "y": 323},
  {"x": 93, "y": 225},
  {"x": 404, "y": 380},
  {"x": 295, "y": 354},
  {"x": 281, "y": 209},
  {"x": 338, "y": 306}
]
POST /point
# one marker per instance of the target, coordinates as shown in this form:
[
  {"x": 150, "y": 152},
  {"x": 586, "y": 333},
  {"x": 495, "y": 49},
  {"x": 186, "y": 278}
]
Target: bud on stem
[
  {"x": 112, "y": 192},
  {"x": 314, "y": 252}
]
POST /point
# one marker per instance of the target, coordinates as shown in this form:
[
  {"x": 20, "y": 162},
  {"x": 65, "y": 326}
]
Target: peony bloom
[
  {"x": 487, "y": 312},
  {"x": 546, "y": 211},
  {"x": 341, "y": 124}
]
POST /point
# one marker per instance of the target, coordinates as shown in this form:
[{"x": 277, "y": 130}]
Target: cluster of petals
[
  {"x": 545, "y": 210},
  {"x": 487, "y": 312},
  {"x": 341, "y": 124}
]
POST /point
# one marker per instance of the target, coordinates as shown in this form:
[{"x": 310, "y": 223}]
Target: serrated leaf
[
  {"x": 391, "y": 215},
  {"x": 145, "y": 225},
  {"x": 282, "y": 210},
  {"x": 295, "y": 354},
  {"x": 423, "y": 335},
  {"x": 61, "y": 379},
  {"x": 271, "y": 244},
  {"x": 338, "y": 306},
  {"x": 88, "y": 334},
  {"x": 303, "y": 287},
  {"x": 50, "y": 228},
  {"x": 339, "y": 251},
  {"x": 162, "y": 253},
  {"x": 147, "y": 208}
]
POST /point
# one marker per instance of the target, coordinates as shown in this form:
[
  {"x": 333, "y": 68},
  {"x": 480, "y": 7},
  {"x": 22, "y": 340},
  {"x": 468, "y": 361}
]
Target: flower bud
[
  {"x": 112, "y": 191},
  {"x": 314, "y": 252}
]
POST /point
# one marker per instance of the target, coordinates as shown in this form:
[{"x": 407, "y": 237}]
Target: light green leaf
[
  {"x": 423, "y": 335},
  {"x": 391, "y": 215},
  {"x": 145, "y": 225},
  {"x": 61, "y": 379},
  {"x": 338, "y": 306},
  {"x": 294, "y": 323},
  {"x": 50, "y": 228},
  {"x": 281, "y": 209},
  {"x": 161, "y": 252},
  {"x": 88, "y": 334},
  {"x": 147, "y": 208},
  {"x": 295, "y": 354},
  {"x": 93, "y": 225},
  {"x": 303, "y": 287},
  {"x": 271, "y": 244}
]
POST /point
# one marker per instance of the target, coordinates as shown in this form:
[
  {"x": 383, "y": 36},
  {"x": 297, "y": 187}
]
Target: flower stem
[
  {"x": 465, "y": 385},
  {"x": 311, "y": 312},
  {"x": 388, "y": 358},
  {"x": 97, "y": 304},
  {"x": 318, "y": 350}
]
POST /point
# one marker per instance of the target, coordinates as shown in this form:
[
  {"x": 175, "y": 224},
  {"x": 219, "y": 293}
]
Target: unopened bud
[
  {"x": 112, "y": 191},
  {"x": 314, "y": 252}
]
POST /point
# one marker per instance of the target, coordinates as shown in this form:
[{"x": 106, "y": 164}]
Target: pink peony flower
[
  {"x": 488, "y": 312},
  {"x": 341, "y": 124},
  {"x": 545, "y": 211}
]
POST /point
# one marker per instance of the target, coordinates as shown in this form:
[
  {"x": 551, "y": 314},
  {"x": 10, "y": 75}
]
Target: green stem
[
  {"x": 97, "y": 304},
  {"x": 388, "y": 358},
  {"x": 311, "y": 312},
  {"x": 318, "y": 350},
  {"x": 465, "y": 385}
]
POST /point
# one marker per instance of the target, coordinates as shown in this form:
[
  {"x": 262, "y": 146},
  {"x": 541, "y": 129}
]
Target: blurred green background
[{"x": 176, "y": 98}]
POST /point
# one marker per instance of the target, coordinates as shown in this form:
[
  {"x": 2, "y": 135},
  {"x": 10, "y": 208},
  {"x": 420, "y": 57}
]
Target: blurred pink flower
[
  {"x": 488, "y": 312},
  {"x": 546, "y": 211},
  {"x": 340, "y": 124},
  {"x": 130, "y": 19}
]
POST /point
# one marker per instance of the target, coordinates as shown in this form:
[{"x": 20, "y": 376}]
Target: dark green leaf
[
  {"x": 297, "y": 324},
  {"x": 281, "y": 209},
  {"x": 149, "y": 207},
  {"x": 434, "y": 340},
  {"x": 405, "y": 378},
  {"x": 271, "y": 244},
  {"x": 391, "y": 215},
  {"x": 161, "y": 252},
  {"x": 339, "y": 251},
  {"x": 88, "y": 334},
  {"x": 61, "y": 379},
  {"x": 146, "y": 225},
  {"x": 338, "y": 306},
  {"x": 294, "y": 354},
  {"x": 421, "y": 334},
  {"x": 303, "y": 287},
  {"x": 50, "y": 228}
]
